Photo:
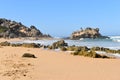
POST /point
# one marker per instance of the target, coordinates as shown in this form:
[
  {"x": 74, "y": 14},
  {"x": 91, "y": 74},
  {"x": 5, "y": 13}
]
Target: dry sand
[
  {"x": 11, "y": 40},
  {"x": 52, "y": 65}
]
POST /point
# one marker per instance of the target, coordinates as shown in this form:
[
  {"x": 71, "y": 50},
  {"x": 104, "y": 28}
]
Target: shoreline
[
  {"x": 53, "y": 65},
  {"x": 95, "y": 52},
  {"x": 106, "y": 43}
]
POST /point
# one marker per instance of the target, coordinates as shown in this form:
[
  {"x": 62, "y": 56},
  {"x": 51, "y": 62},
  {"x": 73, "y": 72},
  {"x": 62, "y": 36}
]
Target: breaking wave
[{"x": 115, "y": 38}]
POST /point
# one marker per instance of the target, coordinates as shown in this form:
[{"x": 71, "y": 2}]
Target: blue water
[
  {"x": 112, "y": 43},
  {"x": 108, "y": 43}
]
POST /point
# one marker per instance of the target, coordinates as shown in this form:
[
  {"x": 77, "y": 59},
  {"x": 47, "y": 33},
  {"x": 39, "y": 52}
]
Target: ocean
[{"x": 112, "y": 43}]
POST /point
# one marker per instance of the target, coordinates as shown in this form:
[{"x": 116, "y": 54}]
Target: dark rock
[
  {"x": 16, "y": 45},
  {"x": 91, "y": 53},
  {"x": 28, "y": 55},
  {"x": 63, "y": 49},
  {"x": 31, "y": 45},
  {"x": 59, "y": 44},
  {"x": 5, "y": 43}
]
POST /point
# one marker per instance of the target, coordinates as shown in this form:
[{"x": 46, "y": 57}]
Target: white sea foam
[
  {"x": 108, "y": 43},
  {"x": 115, "y": 38},
  {"x": 117, "y": 55}
]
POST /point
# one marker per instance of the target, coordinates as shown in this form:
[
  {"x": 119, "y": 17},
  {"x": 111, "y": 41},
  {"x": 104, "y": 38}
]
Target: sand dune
[{"x": 53, "y": 65}]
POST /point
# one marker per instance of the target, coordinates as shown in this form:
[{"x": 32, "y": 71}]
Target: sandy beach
[
  {"x": 11, "y": 40},
  {"x": 54, "y": 65},
  {"x": 60, "y": 40}
]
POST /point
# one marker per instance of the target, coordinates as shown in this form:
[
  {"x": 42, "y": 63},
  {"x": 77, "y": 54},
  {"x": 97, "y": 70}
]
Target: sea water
[{"x": 112, "y": 43}]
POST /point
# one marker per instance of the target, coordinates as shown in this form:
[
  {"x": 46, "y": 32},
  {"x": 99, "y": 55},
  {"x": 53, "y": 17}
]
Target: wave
[{"x": 115, "y": 38}]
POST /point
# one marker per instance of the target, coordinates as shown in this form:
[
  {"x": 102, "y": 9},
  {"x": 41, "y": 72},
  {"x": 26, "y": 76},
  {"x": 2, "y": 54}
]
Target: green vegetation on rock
[
  {"x": 3, "y": 29},
  {"x": 90, "y": 53},
  {"x": 13, "y": 29},
  {"x": 31, "y": 45},
  {"x": 5, "y": 43},
  {"x": 58, "y": 44}
]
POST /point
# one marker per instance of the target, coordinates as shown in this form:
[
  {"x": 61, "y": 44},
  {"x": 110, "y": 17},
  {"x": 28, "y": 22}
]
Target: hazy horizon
[{"x": 61, "y": 17}]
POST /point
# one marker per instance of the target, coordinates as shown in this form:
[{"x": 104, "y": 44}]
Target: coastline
[{"x": 53, "y": 65}]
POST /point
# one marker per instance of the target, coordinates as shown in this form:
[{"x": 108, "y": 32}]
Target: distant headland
[
  {"x": 13, "y": 29},
  {"x": 87, "y": 33}
]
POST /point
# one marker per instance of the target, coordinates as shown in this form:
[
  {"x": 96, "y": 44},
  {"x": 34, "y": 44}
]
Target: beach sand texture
[{"x": 54, "y": 65}]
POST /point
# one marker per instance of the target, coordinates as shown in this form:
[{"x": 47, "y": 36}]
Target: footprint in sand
[{"x": 16, "y": 69}]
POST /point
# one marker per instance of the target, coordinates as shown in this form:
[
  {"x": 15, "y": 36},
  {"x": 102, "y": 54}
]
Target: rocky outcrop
[
  {"x": 60, "y": 43},
  {"x": 87, "y": 33},
  {"x": 13, "y": 29}
]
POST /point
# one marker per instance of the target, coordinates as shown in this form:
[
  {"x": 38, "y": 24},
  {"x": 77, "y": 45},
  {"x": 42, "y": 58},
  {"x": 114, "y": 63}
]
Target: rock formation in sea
[
  {"x": 87, "y": 33},
  {"x": 13, "y": 29}
]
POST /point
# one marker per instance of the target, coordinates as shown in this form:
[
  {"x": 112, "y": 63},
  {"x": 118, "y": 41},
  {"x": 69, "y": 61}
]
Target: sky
[{"x": 60, "y": 18}]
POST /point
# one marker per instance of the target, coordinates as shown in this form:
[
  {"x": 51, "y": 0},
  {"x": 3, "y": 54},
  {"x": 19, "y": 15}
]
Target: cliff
[
  {"x": 13, "y": 29},
  {"x": 87, "y": 33}
]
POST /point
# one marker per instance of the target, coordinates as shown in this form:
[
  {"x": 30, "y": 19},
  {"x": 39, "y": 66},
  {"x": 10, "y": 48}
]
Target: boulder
[
  {"x": 59, "y": 44},
  {"x": 31, "y": 45},
  {"x": 5, "y": 43},
  {"x": 29, "y": 55}
]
